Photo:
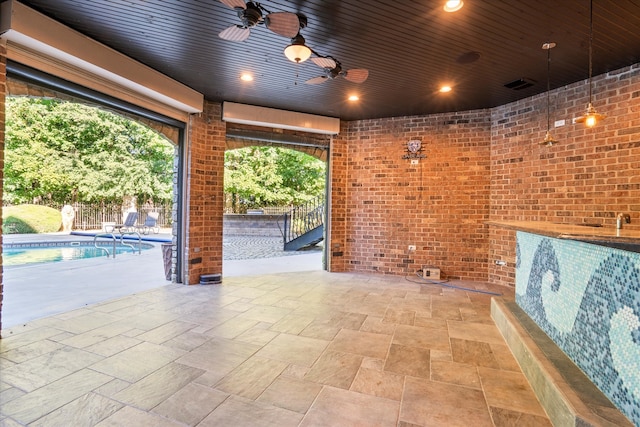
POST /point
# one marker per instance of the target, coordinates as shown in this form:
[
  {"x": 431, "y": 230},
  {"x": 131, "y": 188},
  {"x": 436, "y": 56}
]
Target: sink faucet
[{"x": 620, "y": 218}]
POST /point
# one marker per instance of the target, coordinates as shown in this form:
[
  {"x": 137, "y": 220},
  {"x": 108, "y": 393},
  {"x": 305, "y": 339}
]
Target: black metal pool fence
[{"x": 92, "y": 216}]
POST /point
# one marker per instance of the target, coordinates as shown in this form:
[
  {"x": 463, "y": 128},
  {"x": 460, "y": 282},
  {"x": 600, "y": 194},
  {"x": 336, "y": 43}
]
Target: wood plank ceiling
[{"x": 409, "y": 47}]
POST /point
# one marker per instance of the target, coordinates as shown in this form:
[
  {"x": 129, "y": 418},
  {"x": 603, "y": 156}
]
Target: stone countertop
[{"x": 572, "y": 231}]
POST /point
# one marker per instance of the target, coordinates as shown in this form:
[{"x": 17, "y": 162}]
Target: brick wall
[
  {"x": 338, "y": 172},
  {"x": 205, "y": 182},
  {"x": 3, "y": 92},
  {"x": 482, "y": 165},
  {"x": 381, "y": 203},
  {"x": 587, "y": 178}
]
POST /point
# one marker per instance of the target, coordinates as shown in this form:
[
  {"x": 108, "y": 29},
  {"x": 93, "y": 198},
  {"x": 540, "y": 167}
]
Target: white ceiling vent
[{"x": 280, "y": 119}]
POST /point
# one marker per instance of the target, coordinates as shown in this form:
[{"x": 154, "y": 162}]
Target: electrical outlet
[{"x": 412, "y": 248}]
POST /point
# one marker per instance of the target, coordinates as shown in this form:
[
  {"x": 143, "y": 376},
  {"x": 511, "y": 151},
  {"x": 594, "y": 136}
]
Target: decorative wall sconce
[{"x": 414, "y": 147}]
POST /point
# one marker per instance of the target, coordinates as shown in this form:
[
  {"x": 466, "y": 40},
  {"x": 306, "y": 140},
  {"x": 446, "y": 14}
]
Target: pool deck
[{"x": 35, "y": 291}]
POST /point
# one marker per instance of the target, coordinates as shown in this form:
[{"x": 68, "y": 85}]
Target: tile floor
[{"x": 290, "y": 349}]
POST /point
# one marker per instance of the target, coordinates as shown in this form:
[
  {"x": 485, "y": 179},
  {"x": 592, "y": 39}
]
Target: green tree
[
  {"x": 270, "y": 176},
  {"x": 64, "y": 152}
]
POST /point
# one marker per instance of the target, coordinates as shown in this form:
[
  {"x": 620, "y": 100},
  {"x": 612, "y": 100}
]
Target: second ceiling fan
[{"x": 333, "y": 69}]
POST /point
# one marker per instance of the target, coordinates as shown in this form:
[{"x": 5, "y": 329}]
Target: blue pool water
[{"x": 13, "y": 255}]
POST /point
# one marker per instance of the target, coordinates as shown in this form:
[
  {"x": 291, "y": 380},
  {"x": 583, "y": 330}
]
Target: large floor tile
[
  {"x": 318, "y": 349},
  {"x": 294, "y": 349},
  {"x": 473, "y": 353},
  {"x": 455, "y": 373},
  {"x": 414, "y": 336},
  {"x": 265, "y": 313},
  {"x": 252, "y": 377},
  {"x": 129, "y": 416},
  {"x": 509, "y": 390},
  {"x": 157, "y": 386},
  {"x": 291, "y": 393},
  {"x": 429, "y": 403},
  {"x": 337, "y": 407},
  {"x": 137, "y": 362},
  {"x": 335, "y": 368},
  {"x": 219, "y": 355},
  {"x": 362, "y": 343},
  {"x": 412, "y": 361},
  {"x": 86, "y": 411},
  {"x": 488, "y": 333},
  {"x": 378, "y": 383},
  {"x": 44, "y": 369},
  {"x": 191, "y": 404},
  {"x": 240, "y": 412},
  {"x": 34, "y": 405}
]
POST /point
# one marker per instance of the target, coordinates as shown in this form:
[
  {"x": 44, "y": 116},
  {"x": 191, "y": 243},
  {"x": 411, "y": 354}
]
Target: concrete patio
[{"x": 40, "y": 290}]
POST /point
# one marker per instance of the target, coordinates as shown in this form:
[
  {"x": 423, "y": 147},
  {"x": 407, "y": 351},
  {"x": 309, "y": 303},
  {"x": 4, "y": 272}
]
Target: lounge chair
[
  {"x": 129, "y": 225},
  {"x": 150, "y": 224}
]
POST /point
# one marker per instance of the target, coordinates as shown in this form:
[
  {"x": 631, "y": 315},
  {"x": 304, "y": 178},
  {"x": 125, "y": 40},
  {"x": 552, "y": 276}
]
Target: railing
[
  {"x": 113, "y": 238},
  {"x": 91, "y": 216},
  {"x": 303, "y": 218},
  {"x": 266, "y": 210}
]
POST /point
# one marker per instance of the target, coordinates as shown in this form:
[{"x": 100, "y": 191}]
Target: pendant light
[
  {"x": 548, "y": 139},
  {"x": 591, "y": 117}
]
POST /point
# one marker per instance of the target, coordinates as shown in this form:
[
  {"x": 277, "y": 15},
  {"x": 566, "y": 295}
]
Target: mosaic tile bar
[{"x": 586, "y": 297}]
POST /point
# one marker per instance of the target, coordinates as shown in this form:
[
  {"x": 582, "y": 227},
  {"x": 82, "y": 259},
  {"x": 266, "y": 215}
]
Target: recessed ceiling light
[
  {"x": 353, "y": 98},
  {"x": 453, "y": 5},
  {"x": 246, "y": 77},
  {"x": 445, "y": 89}
]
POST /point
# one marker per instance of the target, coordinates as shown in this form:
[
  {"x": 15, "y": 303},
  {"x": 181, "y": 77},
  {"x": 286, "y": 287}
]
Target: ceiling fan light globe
[{"x": 297, "y": 53}]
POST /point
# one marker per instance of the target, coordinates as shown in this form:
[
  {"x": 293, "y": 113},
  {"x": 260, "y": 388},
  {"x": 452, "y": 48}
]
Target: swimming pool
[{"x": 37, "y": 253}]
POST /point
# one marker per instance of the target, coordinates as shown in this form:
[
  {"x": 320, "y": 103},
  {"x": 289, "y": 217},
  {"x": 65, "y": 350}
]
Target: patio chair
[
  {"x": 129, "y": 225},
  {"x": 150, "y": 224}
]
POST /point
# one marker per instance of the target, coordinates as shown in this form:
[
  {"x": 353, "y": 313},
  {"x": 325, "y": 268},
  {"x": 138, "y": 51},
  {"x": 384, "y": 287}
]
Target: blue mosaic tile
[{"x": 587, "y": 299}]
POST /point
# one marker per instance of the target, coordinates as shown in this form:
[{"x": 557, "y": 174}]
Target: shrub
[{"x": 29, "y": 219}]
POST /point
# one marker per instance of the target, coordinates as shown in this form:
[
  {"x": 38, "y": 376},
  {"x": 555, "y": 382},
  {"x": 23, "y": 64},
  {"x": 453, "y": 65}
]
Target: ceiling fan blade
[
  {"x": 233, "y": 4},
  {"x": 324, "y": 62},
  {"x": 235, "y": 33},
  {"x": 317, "y": 80},
  {"x": 286, "y": 24},
  {"x": 357, "y": 75}
]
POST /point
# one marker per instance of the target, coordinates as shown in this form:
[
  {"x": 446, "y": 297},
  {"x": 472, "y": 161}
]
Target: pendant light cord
[
  {"x": 590, "y": 46},
  {"x": 548, "y": 87}
]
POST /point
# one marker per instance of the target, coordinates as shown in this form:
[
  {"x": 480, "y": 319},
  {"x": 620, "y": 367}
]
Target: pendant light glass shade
[
  {"x": 591, "y": 117},
  {"x": 297, "y": 51}
]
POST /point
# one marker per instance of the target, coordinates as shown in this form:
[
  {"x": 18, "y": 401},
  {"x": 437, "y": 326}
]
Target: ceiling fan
[
  {"x": 286, "y": 24},
  {"x": 332, "y": 69}
]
